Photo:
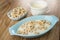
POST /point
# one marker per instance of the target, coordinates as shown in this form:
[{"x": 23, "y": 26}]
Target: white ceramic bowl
[
  {"x": 40, "y": 10},
  {"x": 17, "y": 18}
]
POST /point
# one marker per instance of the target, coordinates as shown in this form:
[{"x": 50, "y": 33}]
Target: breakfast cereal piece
[
  {"x": 43, "y": 28},
  {"x": 15, "y": 16},
  {"x": 35, "y": 32},
  {"x": 25, "y": 31},
  {"x": 22, "y": 26},
  {"x": 40, "y": 22},
  {"x": 48, "y": 22},
  {"x": 34, "y": 29},
  {"x": 20, "y": 32}
]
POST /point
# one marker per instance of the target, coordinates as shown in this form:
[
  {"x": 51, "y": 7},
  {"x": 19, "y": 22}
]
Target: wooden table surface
[{"x": 5, "y": 22}]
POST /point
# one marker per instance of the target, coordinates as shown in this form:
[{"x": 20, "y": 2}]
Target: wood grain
[{"x": 5, "y": 22}]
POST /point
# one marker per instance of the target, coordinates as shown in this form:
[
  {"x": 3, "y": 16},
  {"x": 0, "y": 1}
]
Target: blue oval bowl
[{"x": 53, "y": 19}]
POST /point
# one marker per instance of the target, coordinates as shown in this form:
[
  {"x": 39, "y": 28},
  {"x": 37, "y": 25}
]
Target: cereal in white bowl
[{"x": 17, "y": 13}]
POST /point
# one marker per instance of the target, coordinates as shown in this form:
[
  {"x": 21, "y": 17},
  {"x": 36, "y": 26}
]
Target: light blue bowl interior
[{"x": 52, "y": 19}]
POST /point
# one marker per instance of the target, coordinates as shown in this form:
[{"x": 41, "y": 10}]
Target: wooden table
[{"x": 5, "y": 22}]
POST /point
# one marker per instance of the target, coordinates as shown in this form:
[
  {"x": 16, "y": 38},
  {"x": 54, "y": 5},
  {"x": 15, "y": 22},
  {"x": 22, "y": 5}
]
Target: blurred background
[{"x": 53, "y": 5}]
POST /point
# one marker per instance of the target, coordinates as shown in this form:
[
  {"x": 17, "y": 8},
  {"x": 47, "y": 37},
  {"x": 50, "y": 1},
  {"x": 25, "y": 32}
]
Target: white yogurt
[{"x": 38, "y": 7}]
